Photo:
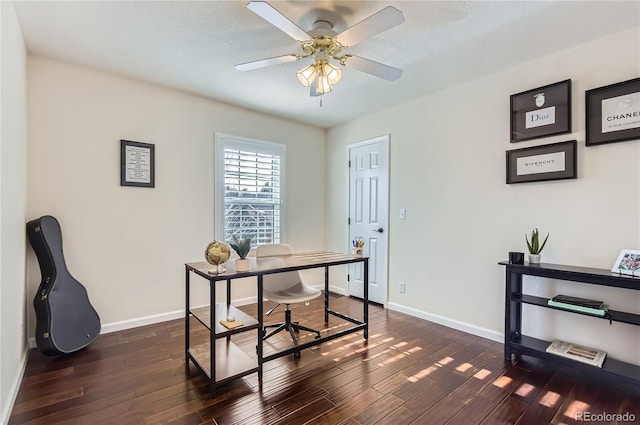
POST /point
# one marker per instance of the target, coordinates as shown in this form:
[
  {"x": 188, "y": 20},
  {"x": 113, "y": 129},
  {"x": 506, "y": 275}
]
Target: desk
[{"x": 220, "y": 360}]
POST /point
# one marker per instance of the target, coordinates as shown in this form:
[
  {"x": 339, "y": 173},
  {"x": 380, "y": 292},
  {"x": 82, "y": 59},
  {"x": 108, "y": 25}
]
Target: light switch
[{"x": 403, "y": 213}]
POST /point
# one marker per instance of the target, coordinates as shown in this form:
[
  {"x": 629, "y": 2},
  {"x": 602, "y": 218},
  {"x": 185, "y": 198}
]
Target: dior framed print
[
  {"x": 541, "y": 112},
  {"x": 137, "y": 164},
  {"x": 555, "y": 161},
  {"x": 613, "y": 113}
]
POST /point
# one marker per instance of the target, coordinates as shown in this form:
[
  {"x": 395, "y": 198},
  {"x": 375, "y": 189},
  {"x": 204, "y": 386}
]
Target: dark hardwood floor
[{"x": 410, "y": 372}]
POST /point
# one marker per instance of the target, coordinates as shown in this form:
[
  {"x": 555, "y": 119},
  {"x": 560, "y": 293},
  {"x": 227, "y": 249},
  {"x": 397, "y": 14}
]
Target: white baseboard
[
  {"x": 14, "y": 388},
  {"x": 450, "y": 323}
]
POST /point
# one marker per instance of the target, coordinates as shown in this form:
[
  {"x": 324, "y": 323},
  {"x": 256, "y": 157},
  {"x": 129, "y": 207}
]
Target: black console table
[{"x": 515, "y": 343}]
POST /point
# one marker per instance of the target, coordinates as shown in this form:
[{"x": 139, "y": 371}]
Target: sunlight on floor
[
  {"x": 549, "y": 399},
  {"x": 524, "y": 390},
  {"x": 482, "y": 374},
  {"x": 464, "y": 367},
  {"x": 502, "y": 382},
  {"x": 575, "y": 407}
]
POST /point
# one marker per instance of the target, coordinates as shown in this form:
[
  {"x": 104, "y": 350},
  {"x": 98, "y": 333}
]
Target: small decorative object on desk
[
  {"x": 242, "y": 246},
  {"x": 628, "y": 262},
  {"x": 231, "y": 324},
  {"x": 534, "y": 246},
  {"x": 357, "y": 247},
  {"x": 587, "y": 355},
  {"x": 216, "y": 254}
]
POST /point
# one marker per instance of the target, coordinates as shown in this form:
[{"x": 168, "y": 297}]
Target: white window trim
[{"x": 226, "y": 140}]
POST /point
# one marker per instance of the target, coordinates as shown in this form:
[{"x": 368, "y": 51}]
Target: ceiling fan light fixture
[
  {"x": 323, "y": 84},
  {"x": 333, "y": 73},
  {"x": 307, "y": 75}
]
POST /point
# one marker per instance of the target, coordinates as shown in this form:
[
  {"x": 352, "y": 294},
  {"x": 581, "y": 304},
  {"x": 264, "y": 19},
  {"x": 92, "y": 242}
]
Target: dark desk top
[{"x": 275, "y": 264}]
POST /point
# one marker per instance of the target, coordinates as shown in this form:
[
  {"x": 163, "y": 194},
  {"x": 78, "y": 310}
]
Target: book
[
  {"x": 231, "y": 325},
  {"x": 583, "y": 302},
  {"x": 590, "y": 356},
  {"x": 565, "y": 306}
]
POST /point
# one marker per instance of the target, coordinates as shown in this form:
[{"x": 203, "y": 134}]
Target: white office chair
[{"x": 285, "y": 288}]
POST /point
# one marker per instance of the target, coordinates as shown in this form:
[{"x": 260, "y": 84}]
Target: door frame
[{"x": 386, "y": 139}]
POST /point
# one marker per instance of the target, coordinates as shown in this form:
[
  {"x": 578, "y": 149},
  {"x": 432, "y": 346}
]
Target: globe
[{"x": 216, "y": 254}]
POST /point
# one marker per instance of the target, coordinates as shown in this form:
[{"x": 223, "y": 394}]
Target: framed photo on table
[
  {"x": 556, "y": 161},
  {"x": 628, "y": 262},
  {"x": 541, "y": 112},
  {"x": 137, "y": 164},
  {"x": 613, "y": 113}
]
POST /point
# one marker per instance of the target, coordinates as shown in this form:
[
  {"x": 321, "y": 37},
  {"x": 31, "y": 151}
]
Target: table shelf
[
  {"x": 516, "y": 343},
  {"x": 203, "y": 314},
  {"x": 231, "y": 361}
]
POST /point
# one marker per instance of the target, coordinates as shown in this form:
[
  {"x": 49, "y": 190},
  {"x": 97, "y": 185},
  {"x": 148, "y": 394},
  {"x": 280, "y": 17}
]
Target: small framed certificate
[
  {"x": 137, "y": 164},
  {"x": 555, "y": 161},
  {"x": 613, "y": 113},
  {"x": 544, "y": 111}
]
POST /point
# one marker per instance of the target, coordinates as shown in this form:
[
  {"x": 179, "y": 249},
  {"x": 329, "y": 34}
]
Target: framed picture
[
  {"x": 613, "y": 113},
  {"x": 547, "y": 162},
  {"x": 541, "y": 112},
  {"x": 137, "y": 164},
  {"x": 628, "y": 262}
]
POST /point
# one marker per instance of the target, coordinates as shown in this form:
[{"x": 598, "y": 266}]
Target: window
[{"x": 249, "y": 184}]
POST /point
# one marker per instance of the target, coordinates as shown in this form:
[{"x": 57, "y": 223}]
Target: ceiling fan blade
[
  {"x": 374, "y": 68},
  {"x": 271, "y": 15},
  {"x": 250, "y": 66},
  {"x": 380, "y": 21}
]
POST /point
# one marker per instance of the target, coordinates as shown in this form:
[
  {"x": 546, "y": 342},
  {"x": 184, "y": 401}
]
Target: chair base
[{"x": 290, "y": 326}]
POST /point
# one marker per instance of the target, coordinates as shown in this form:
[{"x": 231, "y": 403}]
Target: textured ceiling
[{"x": 194, "y": 45}]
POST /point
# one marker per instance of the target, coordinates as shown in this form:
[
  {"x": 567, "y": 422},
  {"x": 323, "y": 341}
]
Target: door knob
[{"x": 379, "y": 230}]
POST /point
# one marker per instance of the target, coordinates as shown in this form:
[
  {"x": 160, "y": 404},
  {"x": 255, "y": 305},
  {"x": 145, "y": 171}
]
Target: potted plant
[
  {"x": 241, "y": 246},
  {"x": 534, "y": 246}
]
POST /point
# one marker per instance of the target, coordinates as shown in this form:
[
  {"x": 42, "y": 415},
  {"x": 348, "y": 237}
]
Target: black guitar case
[{"x": 66, "y": 320}]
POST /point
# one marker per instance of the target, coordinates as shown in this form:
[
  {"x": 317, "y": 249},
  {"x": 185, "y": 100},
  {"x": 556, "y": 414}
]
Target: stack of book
[
  {"x": 583, "y": 305},
  {"x": 590, "y": 356}
]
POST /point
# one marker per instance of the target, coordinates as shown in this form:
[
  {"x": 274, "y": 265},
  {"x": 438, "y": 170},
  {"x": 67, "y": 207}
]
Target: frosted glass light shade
[
  {"x": 333, "y": 73},
  {"x": 307, "y": 75}
]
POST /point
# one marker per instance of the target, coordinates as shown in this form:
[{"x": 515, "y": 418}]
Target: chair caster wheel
[
  {"x": 296, "y": 355},
  {"x": 317, "y": 337}
]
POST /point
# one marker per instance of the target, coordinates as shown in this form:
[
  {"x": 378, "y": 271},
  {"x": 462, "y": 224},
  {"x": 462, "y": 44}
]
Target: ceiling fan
[{"x": 325, "y": 46}]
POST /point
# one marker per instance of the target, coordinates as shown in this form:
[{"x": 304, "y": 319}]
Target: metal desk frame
[{"x": 292, "y": 262}]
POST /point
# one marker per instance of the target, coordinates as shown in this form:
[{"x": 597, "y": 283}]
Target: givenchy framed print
[
  {"x": 555, "y": 161},
  {"x": 613, "y": 113},
  {"x": 137, "y": 164},
  {"x": 544, "y": 111}
]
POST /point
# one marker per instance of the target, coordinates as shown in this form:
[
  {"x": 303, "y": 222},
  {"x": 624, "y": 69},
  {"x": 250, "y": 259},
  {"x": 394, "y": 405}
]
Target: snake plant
[
  {"x": 534, "y": 246},
  {"x": 241, "y": 245}
]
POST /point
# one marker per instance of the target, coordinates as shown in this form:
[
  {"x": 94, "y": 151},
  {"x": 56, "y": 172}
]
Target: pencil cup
[{"x": 356, "y": 252}]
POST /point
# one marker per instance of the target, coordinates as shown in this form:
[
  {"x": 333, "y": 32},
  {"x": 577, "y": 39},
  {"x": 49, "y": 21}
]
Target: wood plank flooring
[{"x": 410, "y": 372}]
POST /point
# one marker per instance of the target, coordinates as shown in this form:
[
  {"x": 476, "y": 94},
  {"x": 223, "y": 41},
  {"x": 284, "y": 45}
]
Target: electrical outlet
[{"x": 402, "y": 287}]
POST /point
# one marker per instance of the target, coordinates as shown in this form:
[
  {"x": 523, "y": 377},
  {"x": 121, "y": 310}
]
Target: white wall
[
  {"x": 128, "y": 245},
  {"x": 13, "y": 201},
  {"x": 448, "y": 171}
]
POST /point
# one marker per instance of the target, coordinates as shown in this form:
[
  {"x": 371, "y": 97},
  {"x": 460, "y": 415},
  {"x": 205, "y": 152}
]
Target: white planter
[
  {"x": 243, "y": 265},
  {"x": 534, "y": 258}
]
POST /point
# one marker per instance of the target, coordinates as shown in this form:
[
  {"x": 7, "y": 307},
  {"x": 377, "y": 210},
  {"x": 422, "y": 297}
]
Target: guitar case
[{"x": 66, "y": 320}]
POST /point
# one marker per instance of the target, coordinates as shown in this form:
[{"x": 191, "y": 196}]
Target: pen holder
[{"x": 356, "y": 252}]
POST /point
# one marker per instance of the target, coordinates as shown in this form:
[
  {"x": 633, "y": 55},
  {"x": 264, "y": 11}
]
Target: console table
[
  {"x": 516, "y": 343},
  {"x": 219, "y": 359}
]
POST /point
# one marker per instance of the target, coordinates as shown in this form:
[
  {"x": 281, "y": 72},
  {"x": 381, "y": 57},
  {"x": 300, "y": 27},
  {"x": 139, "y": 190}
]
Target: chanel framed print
[
  {"x": 544, "y": 111},
  {"x": 613, "y": 113},
  {"x": 555, "y": 161},
  {"x": 137, "y": 164}
]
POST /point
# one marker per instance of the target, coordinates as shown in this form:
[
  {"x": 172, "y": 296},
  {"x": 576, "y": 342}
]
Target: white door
[{"x": 369, "y": 214}]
